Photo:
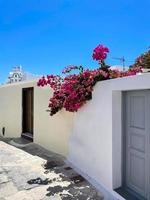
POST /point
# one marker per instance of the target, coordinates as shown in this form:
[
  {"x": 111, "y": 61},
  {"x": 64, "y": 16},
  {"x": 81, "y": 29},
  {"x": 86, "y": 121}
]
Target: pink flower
[
  {"x": 69, "y": 68},
  {"x": 74, "y": 90},
  {"x": 42, "y": 82},
  {"x": 100, "y": 53}
]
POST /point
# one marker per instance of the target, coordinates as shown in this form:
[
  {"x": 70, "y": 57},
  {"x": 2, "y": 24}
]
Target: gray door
[{"x": 137, "y": 142}]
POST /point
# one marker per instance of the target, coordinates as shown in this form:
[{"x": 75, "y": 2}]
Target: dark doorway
[{"x": 27, "y": 113}]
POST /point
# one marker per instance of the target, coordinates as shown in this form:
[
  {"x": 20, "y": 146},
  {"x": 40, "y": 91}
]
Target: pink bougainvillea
[
  {"x": 69, "y": 68},
  {"x": 100, "y": 53},
  {"x": 143, "y": 61},
  {"x": 73, "y": 90}
]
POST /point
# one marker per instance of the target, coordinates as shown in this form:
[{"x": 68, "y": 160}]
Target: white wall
[
  {"x": 52, "y": 133},
  {"x": 95, "y": 145},
  {"x": 91, "y": 141},
  {"x": 9, "y": 111}
]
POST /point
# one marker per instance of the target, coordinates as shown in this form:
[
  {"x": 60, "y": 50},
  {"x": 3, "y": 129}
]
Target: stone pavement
[{"x": 33, "y": 173}]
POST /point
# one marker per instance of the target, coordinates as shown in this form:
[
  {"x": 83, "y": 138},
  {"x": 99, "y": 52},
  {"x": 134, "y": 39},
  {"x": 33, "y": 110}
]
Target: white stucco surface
[
  {"x": 92, "y": 136},
  {"x": 96, "y": 141},
  {"x": 50, "y": 132}
]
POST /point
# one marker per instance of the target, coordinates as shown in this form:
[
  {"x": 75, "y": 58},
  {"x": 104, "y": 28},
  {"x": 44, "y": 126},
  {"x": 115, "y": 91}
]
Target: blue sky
[{"x": 46, "y": 35}]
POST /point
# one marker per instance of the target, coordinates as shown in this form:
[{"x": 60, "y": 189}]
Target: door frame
[
  {"x": 22, "y": 135},
  {"x": 123, "y": 142}
]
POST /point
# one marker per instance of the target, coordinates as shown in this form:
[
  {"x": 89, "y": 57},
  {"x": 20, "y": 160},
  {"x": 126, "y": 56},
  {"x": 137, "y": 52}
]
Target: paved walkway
[{"x": 33, "y": 173}]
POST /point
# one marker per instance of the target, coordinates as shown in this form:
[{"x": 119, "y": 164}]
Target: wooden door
[{"x": 27, "y": 106}]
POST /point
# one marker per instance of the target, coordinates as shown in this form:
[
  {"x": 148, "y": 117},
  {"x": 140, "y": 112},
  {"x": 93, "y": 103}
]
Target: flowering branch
[{"x": 72, "y": 91}]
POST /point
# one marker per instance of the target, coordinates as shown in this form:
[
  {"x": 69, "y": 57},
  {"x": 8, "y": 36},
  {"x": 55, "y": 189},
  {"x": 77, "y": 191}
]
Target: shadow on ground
[
  {"x": 78, "y": 187},
  {"x": 43, "y": 169}
]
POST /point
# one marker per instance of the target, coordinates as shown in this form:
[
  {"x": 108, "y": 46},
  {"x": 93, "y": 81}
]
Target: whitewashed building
[
  {"x": 108, "y": 139},
  {"x": 17, "y": 75}
]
